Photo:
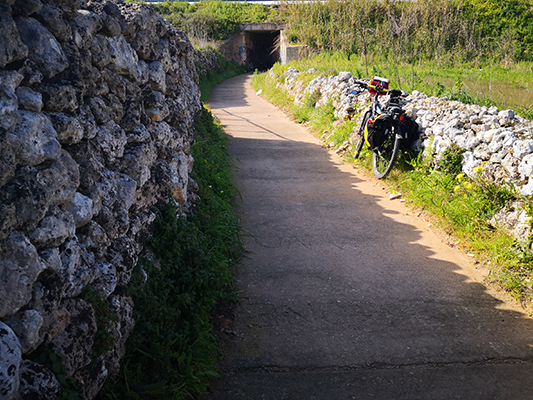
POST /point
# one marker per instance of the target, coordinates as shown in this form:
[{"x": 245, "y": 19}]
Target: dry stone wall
[
  {"x": 97, "y": 105},
  {"x": 498, "y": 143}
]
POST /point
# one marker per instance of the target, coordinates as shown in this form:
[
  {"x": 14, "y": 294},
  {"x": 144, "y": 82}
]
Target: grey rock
[
  {"x": 8, "y": 161},
  {"x": 58, "y": 98},
  {"x": 19, "y": 268},
  {"x": 122, "y": 306},
  {"x": 61, "y": 179},
  {"x": 111, "y": 26},
  {"x": 81, "y": 209},
  {"x": 53, "y": 230},
  {"x": 157, "y": 77},
  {"x": 68, "y": 7},
  {"x": 29, "y": 100},
  {"x": 124, "y": 59},
  {"x": 27, "y": 7},
  {"x": 52, "y": 18},
  {"x": 105, "y": 281},
  {"x": 84, "y": 26},
  {"x": 69, "y": 129},
  {"x": 100, "y": 51},
  {"x": 138, "y": 160},
  {"x": 26, "y": 325},
  {"x": 44, "y": 49},
  {"x": 34, "y": 139},
  {"x": 94, "y": 238},
  {"x": 526, "y": 166},
  {"x": 156, "y": 108},
  {"x": 12, "y": 48},
  {"x": 51, "y": 259},
  {"x": 9, "y": 82},
  {"x": 123, "y": 254},
  {"x": 522, "y": 148},
  {"x": 111, "y": 138},
  {"x": 76, "y": 268},
  {"x": 73, "y": 334},
  {"x": 38, "y": 382},
  {"x": 30, "y": 72},
  {"x": 10, "y": 359}
]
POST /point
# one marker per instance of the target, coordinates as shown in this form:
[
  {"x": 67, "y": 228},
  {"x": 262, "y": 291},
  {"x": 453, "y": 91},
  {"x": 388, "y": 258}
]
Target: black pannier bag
[
  {"x": 377, "y": 130},
  {"x": 410, "y": 132}
]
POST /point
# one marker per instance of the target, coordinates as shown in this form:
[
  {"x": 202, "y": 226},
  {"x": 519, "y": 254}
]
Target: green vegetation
[
  {"x": 462, "y": 206},
  {"x": 213, "y": 21},
  {"x": 189, "y": 271},
  {"x": 446, "y": 30}
]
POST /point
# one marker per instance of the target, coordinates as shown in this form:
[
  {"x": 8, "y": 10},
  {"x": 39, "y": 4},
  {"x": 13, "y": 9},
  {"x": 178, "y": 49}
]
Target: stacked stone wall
[
  {"x": 97, "y": 106},
  {"x": 498, "y": 144}
]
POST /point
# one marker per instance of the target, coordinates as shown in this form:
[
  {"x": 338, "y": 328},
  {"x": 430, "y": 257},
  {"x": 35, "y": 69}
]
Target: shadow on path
[{"x": 345, "y": 295}]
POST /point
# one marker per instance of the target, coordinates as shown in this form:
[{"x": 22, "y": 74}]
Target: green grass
[
  {"x": 485, "y": 84},
  {"x": 461, "y": 206},
  {"x": 172, "y": 352}
]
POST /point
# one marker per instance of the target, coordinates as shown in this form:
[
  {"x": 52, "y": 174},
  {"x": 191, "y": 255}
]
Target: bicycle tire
[
  {"x": 384, "y": 158},
  {"x": 361, "y": 134}
]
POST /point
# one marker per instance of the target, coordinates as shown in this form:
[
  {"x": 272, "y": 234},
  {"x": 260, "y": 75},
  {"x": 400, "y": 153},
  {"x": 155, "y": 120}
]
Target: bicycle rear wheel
[
  {"x": 360, "y": 140},
  {"x": 385, "y": 156}
]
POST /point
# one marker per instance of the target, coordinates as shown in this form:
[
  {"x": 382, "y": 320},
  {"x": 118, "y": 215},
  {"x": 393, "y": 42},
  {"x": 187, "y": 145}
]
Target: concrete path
[{"x": 347, "y": 294}]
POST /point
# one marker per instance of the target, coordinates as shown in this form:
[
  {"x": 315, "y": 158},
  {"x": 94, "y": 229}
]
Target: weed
[{"x": 451, "y": 161}]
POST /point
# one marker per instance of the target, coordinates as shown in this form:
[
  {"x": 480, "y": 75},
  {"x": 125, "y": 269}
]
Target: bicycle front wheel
[
  {"x": 360, "y": 139},
  {"x": 385, "y": 156}
]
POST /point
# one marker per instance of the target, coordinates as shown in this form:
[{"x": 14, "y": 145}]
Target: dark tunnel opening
[{"x": 264, "y": 49}]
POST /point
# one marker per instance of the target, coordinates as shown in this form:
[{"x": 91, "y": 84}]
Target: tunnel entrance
[
  {"x": 264, "y": 49},
  {"x": 257, "y": 45}
]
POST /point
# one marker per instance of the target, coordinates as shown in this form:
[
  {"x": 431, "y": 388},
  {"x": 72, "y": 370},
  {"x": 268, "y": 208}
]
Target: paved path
[{"x": 347, "y": 294}]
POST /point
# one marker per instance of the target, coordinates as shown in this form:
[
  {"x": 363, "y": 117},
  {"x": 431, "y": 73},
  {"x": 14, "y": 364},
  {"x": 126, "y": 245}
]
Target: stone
[
  {"x": 61, "y": 179},
  {"x": 27, "y": 7},
  {"x": 53, "y": 230},
  {"x": 105, "y": 281},
  {"x": 81, "y": 209},
  {"x": 120, "y": 330},
  {"x": 8, "y": 161},
  {"x": 69, "y": 129},
  {"x": 157, "y": 77},
  {"x": 527, "y": 190},
  {"x": 52, "y": 18},
  {"x": 10, "y": 359},
  {"x": 470, "y": 163},
  {"x": 44, "y": 49},
  {"x": 29, "y": 100},
  {"x": 38, "y": 382},
  {"x": 68, "y": 7},
  {"x": 510, "y": 164},
  {"x": 522, "y": 148},
  {"x": 26, "y": 325},
  {"x": 94, "y": 238},
  {"x": 84, "y": 26},
  {"x": 19, "y": 268},
  {"x": 111, "y": 138},
  {"x": 73, "y": 334},
  {"x": 12, "y": 48},
  {"x": 138, "y": 160},
  {"x": 51, "y": 259},
  {"x": 9, "y": 82},
  {"x": 34, "y": 139},
  {"x": 76, "y": 268},
  {"x": 525, "y": 167},
  {"x": 58, "y": 98},
  {"x": 124, "y": 59}
]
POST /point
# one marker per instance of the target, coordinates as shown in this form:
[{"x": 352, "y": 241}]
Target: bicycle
[{"x": 385, "y": 154}]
